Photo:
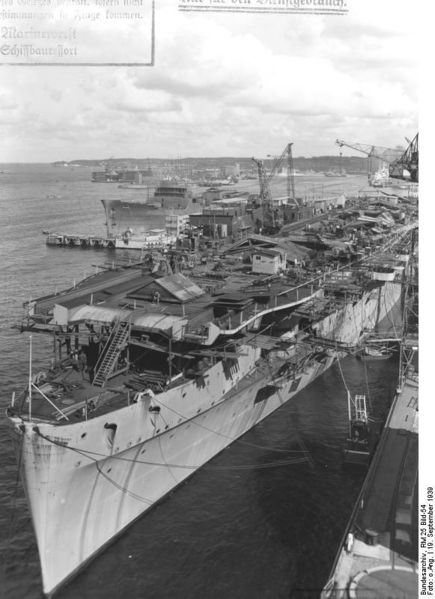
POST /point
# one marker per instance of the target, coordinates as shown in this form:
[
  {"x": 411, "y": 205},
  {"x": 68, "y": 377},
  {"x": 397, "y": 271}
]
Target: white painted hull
[{"x": 83, "y": 490}]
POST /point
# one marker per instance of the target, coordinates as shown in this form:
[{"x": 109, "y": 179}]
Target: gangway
[{"x": 116, "y": 343}]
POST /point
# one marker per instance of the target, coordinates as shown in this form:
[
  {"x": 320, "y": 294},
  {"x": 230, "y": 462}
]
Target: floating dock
[{"x": 378, "y": 557}]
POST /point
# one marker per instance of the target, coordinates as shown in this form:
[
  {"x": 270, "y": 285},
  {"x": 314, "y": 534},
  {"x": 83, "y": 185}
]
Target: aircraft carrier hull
[{"x": 85, "y": 484}]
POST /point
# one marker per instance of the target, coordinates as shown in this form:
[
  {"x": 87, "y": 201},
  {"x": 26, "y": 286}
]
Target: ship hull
[
  {"x": 79, "y": 504},
  {"x": 84, "y": 487}
]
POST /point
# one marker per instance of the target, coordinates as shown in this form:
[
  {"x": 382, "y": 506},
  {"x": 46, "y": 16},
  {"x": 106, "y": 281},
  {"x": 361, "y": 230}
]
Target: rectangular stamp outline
[{"x": 97, "y": 64}]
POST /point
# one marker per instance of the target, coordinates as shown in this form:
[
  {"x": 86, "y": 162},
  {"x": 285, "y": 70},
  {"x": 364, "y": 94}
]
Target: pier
[
  {"x": 80, "y": 241},
  {"x": 152, "y": 242}
]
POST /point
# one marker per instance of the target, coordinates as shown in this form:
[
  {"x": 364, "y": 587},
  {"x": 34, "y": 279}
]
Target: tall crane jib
[
  {"x": 401, "y": 164},
  {"x": 266, "y": 221},
  {"x": 273, "y": 215}
]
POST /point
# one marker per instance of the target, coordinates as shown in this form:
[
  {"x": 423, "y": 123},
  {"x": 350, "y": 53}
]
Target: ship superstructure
[
  {"x": 168, "y": 198},
  {"x": 163, "y": 364}
]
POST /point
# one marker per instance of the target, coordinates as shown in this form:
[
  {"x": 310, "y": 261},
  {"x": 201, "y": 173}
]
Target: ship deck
[
  {"x": 126, "y": 290},
  {"x": 244, "y": 295},
  {"x": 156, "y": 312},
  {"x": 66, "y": 395}
]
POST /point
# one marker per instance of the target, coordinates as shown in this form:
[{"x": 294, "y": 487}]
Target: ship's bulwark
[{"x": 85, "y": 484}]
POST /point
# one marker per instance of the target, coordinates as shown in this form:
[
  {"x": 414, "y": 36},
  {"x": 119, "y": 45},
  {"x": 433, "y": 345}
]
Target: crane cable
[
  {"x": 89, "y": 454},
  {"x": 230, "y": 438},
  {"x": 300, "y": 441}
]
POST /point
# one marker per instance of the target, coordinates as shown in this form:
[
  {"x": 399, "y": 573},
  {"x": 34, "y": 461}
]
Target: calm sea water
[{"x": 242, "y": 533}]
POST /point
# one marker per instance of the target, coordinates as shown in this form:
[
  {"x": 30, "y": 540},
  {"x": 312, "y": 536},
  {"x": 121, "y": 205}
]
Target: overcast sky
[{"x": 226, "y": 84}]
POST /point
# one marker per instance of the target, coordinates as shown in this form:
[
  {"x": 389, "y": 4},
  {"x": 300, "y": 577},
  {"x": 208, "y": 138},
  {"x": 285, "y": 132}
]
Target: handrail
[
  {"x": 113, "y": 332},
  {"x": 106, "y": 346}
]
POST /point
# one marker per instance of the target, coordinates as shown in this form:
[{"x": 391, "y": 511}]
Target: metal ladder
[
  {"x": 115, "y": 344},
  {"x": 360, "y": 408}
]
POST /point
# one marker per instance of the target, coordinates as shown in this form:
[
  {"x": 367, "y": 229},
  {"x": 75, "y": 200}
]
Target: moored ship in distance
[
  {"x": 179, "y": 356},
  {"x": 172, "y": 195},
  {"x": 115, "y": 174},
  {"x": 380, "y": 178},
  {"x": 169, "y": 198},
  {"x": 109, "y": 175}
]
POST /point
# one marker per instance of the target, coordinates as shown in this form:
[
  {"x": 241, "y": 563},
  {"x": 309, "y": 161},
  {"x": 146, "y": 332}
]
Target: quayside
[
  {"x": 378, "y": 556},
  {"x": 379, "y": 552}
]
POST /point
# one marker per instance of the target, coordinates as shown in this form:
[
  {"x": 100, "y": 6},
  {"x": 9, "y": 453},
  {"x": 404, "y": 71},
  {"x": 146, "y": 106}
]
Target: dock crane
[
  {"x": 272, "y": 217},
  {"x": 398, "y": 161},
  {"x": 407, "y": 163},
  {"x": 386, "y": 155}
]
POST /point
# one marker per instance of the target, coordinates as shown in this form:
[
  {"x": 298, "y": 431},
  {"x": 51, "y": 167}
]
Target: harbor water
[{"x": 250, "y": 524}]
